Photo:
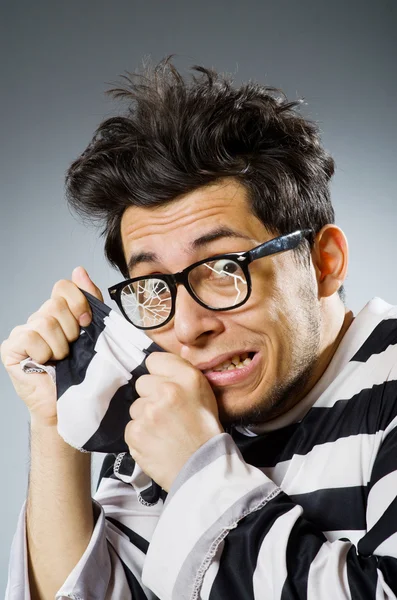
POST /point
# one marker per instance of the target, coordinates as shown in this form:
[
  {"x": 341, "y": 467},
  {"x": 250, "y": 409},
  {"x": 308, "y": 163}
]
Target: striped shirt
[{"x": 303, "y": 507}]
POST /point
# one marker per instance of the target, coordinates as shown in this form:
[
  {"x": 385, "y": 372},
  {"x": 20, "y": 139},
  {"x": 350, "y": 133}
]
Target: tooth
[{"x": 236, "y": 361}]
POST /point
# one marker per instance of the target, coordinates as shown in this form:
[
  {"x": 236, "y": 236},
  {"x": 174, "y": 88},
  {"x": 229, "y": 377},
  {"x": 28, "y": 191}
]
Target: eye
[
  {"x": 225, "y": 265},
  {"x": 156, "y": 287},
  {"x": 160, "y": 288}
]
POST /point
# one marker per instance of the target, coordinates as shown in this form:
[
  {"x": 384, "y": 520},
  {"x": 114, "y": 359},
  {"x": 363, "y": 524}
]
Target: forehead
[{"x": 223, "y": 204}]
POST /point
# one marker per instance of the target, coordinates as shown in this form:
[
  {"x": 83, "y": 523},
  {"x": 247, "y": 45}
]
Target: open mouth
[
  {"x": 239, "y": 361},
  {"x": 235, "y": 370}
]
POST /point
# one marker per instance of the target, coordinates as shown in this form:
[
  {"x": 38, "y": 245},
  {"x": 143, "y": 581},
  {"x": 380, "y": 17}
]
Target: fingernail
[{"x": 84, "y": 319}]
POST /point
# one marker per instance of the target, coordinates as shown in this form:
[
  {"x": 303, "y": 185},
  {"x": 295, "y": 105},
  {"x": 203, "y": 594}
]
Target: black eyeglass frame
[{"x": 277, "y": 245}]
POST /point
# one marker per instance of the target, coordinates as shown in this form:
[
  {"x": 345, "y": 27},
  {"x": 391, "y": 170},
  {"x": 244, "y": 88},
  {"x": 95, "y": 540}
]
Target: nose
[{"x": 193, "y": 323}]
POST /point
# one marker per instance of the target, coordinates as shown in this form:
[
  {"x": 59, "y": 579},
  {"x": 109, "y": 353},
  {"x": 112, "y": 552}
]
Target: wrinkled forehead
[{"x": 198, "y": 211}]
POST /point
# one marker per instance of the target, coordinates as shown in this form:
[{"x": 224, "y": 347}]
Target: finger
[
  {"x": 22, "y": 344},
  {"x": 81, "y": 278},
  {"x": 42, "y": 341},
  {"x": 166, "y": 364},
  {"x": 129, "y": 438},
  {"x": 53, "y": 335},
  {"x": 58, "y": 307},
  {"x": 137, "y": 408},
  {"x": 76, "y": 300},
  {"x": 149, "y": 385}
]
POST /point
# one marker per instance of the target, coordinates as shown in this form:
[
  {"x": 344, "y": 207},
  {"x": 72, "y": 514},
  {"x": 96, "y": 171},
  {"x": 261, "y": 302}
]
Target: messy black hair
[{"x": 179, "y": 134}]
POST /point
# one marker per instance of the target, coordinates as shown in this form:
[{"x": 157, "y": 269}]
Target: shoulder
[{"x": 381, "y": 340}]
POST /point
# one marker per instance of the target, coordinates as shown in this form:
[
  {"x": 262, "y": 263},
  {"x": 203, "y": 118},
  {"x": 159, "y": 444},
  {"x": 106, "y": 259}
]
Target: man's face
[{"x": 279, "y": 325}]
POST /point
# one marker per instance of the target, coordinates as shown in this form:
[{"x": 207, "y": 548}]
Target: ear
[{"x": 330, "y": 259}]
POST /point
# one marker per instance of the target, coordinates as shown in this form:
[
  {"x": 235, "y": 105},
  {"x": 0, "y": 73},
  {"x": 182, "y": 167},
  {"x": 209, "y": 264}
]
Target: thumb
[{"x": 81, "y": 278}]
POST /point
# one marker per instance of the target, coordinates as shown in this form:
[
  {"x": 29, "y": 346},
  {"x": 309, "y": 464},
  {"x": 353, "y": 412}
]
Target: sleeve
[
  {"x": 111, "y": 566},
  {"x": 237, "y": 535}
]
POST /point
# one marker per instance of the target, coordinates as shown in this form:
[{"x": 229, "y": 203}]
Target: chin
[
  {"x": 255, "y": 410},
  {"x": 238, "y": 413}
]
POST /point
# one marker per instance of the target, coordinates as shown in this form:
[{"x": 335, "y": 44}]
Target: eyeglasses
[{"x": 221, "y": 282}]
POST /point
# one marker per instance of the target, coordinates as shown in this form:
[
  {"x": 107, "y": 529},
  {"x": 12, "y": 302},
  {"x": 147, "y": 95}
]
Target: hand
[
  {"x": 45, "y": 337},
  {"x": 174, "y": 416}
]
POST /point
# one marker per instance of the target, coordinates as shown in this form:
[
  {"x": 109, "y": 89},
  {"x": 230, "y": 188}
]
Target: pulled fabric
[
  {"x": 304, "y": 506},
  {"x": 95, "y": 387}
]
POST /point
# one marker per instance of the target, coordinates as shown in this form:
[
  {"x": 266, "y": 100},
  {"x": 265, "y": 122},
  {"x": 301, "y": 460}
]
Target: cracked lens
[
  {"x": 219, "y": 284},
  {"x": 147, "y": 302}
]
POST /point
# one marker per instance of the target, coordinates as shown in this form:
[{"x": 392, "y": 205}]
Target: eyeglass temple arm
[{"x": 280, "y": 244}]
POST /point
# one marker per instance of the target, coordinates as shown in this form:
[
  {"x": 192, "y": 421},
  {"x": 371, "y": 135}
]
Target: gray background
[{"x": 57, "y": 59}]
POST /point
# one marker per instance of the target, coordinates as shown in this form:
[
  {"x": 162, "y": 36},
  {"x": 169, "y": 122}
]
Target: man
[{"x": 269, "y": 420}]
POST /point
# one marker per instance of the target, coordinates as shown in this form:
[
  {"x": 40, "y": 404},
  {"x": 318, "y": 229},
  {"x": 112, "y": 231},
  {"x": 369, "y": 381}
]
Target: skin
[{"x": 294, "y": 320}]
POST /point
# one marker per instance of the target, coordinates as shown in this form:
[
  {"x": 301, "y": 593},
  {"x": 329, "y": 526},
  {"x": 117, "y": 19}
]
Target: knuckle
[
  {"x": 153, "y": 358},
  {"x": 149, "y": 361},
  {"x": 32, "y": 317},
  {"x": 58, "y": 303},
  {"x": 31, "y": 336},
  {"x": 45, "y": 305},
  {"x": 59, "y": 299},
  {"x": 134, "y": 408},
  {"x": 60, "y": 354},
  {"x": 170, "y": 390},
  {"x": 15, "y": 331},
  {"x": 47, "y": 322},
  {"x": 51, "y": 306},
  {"x": 59, "y": 287},
  {"x": 127, "y": 427},
  {"x": 140, "y": 384},
  {"x": 154, "y": 414},
  {"x": 132, "y": 431}
]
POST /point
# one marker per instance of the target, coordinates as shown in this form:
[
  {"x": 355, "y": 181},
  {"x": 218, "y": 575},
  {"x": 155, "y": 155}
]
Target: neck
[{"x": 337, "y": 320}]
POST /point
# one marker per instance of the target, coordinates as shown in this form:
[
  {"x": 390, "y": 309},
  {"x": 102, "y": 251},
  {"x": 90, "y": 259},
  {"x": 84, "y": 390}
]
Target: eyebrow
[{"x": 200, "y": 242}]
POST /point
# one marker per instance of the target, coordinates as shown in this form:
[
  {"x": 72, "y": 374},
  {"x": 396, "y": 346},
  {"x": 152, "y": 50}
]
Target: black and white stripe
[{"x": 307, "y": 511}]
